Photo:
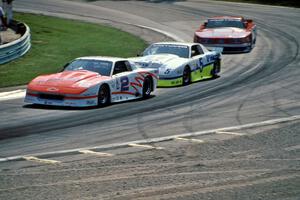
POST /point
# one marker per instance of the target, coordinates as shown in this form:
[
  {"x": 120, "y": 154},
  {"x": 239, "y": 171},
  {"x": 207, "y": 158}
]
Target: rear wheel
[
  {"x": 103, "y": 96},
  {"x": 186, "y": 77},
  {"x": 147, "y": 87},
  {"x": 216, "y": 69}
]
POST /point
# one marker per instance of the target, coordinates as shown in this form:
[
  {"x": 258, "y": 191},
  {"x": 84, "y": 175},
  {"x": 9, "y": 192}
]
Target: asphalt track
[{"x": 253, "y": 87}]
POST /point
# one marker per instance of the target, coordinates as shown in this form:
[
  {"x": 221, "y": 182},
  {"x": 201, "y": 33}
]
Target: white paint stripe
[
  {"x": 170, "y": 35},
  {"x": 189, "y": 139},
  {"x": 95, "y": 153},
  {"x": 16, "y": 94},
  {"x": 144, "y": 146},
  {"x": 159, "y": 139},
  {"x": 229, "y": 133},
  {"x": 292, "y": 148},
  {"x": 35, "y": 159},
  {"x": 251, "y": 69}
]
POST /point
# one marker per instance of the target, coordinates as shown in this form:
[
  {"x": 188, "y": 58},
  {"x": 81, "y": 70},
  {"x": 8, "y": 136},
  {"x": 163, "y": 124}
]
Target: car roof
[
  {"x": 226, "y": 17},
  {"x": 105, "y": 58},
  {"x": 177, "y": 43}
]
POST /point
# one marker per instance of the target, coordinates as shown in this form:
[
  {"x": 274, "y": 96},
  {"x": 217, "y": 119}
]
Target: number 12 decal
[{"x": 124, "y": 83}]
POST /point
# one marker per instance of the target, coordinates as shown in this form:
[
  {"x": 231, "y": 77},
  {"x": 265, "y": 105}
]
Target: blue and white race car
[{"x": 180, "y": 63}]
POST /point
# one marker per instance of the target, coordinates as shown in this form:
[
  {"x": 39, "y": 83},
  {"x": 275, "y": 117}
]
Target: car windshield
[
  {"x": 101, "y": 67},
  {"x": 179, "y": 50},
  {"x": 219, "y": 23}
]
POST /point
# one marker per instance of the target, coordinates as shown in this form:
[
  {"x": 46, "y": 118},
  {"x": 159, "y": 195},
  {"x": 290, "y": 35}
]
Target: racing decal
[
  {"x": 200, "y": 64},
  {"x": 167, "y": 71},
  {"x": 148, "y": 73},
  {"x": 124, "y": 83},
  {"x": 138, "y": 83}
]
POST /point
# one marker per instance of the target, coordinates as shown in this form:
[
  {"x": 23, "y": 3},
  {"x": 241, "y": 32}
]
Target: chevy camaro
[
  {"x": 180, "y": 63},
  {"x": 92, "y": 81},
  {"x": 234, "y": 34}
]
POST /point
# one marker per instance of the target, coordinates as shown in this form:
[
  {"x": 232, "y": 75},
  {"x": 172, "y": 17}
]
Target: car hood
[
  {"x": 70, "y": 82},
  {"x": 223, "y": 33},
  {"x": 159, "y": 61}
]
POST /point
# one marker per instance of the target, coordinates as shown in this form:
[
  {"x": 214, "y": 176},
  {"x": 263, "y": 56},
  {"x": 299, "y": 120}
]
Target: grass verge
[{"x": 56, "y": 41}]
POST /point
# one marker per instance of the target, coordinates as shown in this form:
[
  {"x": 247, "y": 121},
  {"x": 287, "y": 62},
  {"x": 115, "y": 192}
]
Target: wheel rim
[
  {"x": 147, "y": 88},
  {"x": 186, "y": 76},
  {"x": 103, "y": 95},
  {"x": 215, "y": 69}
]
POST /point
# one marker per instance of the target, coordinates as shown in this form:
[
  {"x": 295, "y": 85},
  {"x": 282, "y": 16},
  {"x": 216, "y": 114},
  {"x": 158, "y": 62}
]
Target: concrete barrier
[{"x": 17, "y": 48}]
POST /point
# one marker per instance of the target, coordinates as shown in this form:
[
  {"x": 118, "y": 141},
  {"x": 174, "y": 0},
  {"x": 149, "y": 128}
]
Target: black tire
[
  {"x": 103, "y": 96},
  {"x": 186, "y": 76},
  {"x": 216, "y": 69},
  {"x": 147, "y": 88}
]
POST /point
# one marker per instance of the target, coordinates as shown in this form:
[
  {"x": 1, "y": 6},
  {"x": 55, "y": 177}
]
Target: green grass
[
  {"x": 291, "y": 3},
  {"x": 57, "y": 41}
]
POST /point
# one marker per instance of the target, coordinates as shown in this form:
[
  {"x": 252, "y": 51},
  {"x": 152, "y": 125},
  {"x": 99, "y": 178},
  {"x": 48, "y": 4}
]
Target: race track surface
[{"x": 253, "y": 87}]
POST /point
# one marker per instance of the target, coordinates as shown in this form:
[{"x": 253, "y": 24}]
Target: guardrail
[{"x": 17, "y": 48}]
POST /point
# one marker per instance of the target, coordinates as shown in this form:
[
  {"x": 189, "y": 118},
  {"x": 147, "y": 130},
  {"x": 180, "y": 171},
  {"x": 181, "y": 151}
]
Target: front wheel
[
  {"x": 186, "y": 77},
  {"x": 103, "y": 96},
  {"x": 147, "y": 89}
]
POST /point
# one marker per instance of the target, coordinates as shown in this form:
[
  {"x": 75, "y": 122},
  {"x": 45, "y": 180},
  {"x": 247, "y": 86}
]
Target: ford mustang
[
  {"x": 234, "y": 34},
  {"x": 180, "y": 63},
  {"x": 92, "y": 81}
]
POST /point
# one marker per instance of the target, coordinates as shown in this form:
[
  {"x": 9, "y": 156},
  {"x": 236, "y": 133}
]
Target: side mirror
[{"x": 203, "y": 26}]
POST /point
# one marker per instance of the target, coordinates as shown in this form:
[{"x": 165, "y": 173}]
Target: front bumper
[
  {"x": 169, "y": 82},
  {"x": 74, "y": 101},
  {"x": 227, "y": 48}
]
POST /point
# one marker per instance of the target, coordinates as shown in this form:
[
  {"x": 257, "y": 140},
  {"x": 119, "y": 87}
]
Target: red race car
[{"x": 233, "y": 34}]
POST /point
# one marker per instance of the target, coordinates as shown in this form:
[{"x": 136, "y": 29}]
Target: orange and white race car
[
  {"x": 92, "y": 81},
  {"x": 233, "y": 34}
]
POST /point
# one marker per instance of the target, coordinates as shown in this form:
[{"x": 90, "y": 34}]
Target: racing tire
[
  {"x": 147, "y": 88},
  {"x": 186, "y": 76},
  {"x": 216, "y": 69},
  {"x": 103, "y": 96}
]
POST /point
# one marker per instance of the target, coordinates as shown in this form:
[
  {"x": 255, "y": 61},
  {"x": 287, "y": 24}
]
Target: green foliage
[{"x": 57, "y": 41}]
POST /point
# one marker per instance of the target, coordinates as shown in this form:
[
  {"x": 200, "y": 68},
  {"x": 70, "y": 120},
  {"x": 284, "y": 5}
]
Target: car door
[
  {"x": 124, "y": 76},
  {"x": 198, "y": 60},
  {"x": 204, "y": 63}
]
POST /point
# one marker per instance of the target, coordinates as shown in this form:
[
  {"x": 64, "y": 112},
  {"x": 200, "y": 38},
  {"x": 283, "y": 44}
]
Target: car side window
[
  {"x": 120, "y": 67},
  {"x": 128, "y": 65},
  {"x": 200, "y": 49},
  {"x": 195, "y": 50}
]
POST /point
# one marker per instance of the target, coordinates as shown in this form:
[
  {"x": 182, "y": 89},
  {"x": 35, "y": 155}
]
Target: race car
[
  {"x": 92, "y": 81},
  {"x": 233, "y": 34},
  {"x": 180, "y": 63}
]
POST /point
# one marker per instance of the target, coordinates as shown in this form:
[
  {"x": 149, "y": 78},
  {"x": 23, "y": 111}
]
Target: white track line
[
  {"x": 35, "y": 159},
  {"x": 292, "y": 148},
  {"x": 230, "y": 133},
  {"x": 189, "y": 140},
  {"x": 144, "y": 146},
  {"x": 95, "y": 153},
  {"x": 155, "y": 140},
  {"x": 16, "y": 94}
]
